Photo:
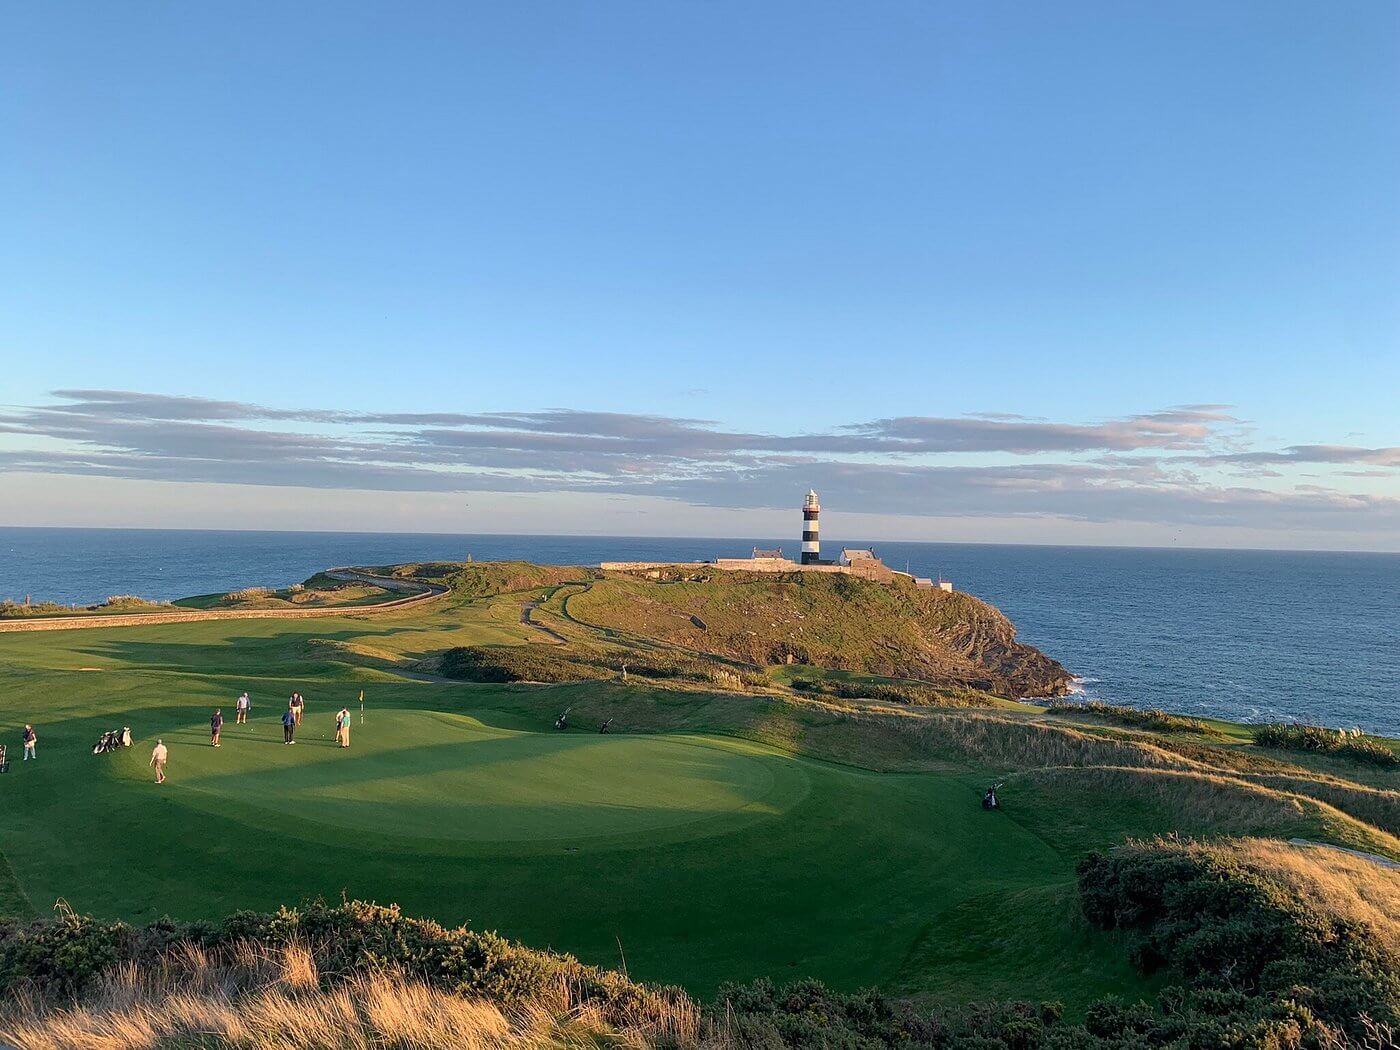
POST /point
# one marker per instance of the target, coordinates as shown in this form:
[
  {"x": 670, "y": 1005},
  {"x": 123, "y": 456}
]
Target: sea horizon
[{"x": 697, "y": 536}]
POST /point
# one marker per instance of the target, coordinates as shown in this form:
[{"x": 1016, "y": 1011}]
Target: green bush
[
  {"x": 517, "y": 663},
  {"x": 1262, "y": 972},
  {"x": 13, "y": 610},
  {"x": 1255, "y": 958},
  {"x": 1149, "y": 718},
  {"x": 806, "y": 1013},
  {"x": 538, "y": 663},
  {"x": 1298, "y": 736},
  {"x": 355, "y": 937},
  {"x": 911, "y": 693},
  {"x": 130, "y": 601}
]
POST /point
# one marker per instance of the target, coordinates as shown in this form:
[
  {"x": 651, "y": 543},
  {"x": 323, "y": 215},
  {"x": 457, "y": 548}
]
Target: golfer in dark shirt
[
  {"x": 215, "y": 724},
  {"x": 289, "y": 726}
]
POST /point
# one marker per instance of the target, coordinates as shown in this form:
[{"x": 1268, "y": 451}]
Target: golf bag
[
  {"x": 605, "y": 726},
  {"x": 562, "y": 722},
  {"x": 4, "y": 760},
  {"x": 111, "y": 740},
  {"x": 989, "y": 798}
]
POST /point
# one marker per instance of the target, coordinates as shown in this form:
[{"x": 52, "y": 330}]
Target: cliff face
[{"x": 832, "y": 621}]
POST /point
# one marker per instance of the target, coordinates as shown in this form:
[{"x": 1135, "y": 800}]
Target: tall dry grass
[
  {"x": 1021, "y": 744},
  {"x": 1215, "y": 804},
  {"x": 1377, "y": 806},
  {"x": 1330, "y": 881},
  {"x": 253, "y": 998}
]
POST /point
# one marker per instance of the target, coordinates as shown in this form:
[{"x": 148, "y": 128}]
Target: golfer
[
  {"x": 240, "y": 710},
  {"x": 289, "y": 726},
  {"x": 216, "y": 723},
  {"x": 159, "y": 754},
  {"x": 30, "y": 738},
  {"x": 298, "y": 706},
  {"x": 342, "y": 727}
]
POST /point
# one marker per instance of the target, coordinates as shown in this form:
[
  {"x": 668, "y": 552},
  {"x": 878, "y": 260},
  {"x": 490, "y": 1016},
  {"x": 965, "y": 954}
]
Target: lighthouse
[{"x": 811, "y": 541}]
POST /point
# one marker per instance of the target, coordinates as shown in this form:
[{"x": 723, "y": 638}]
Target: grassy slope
[
  {"x": 832, "y": 621},
  {"x": 321, "y": 591},
  {"x": 661, "y": 855}
]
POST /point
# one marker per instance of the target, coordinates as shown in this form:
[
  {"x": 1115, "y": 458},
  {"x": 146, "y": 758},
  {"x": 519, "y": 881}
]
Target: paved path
[
  {"x": 526, "y": 617},
  {"x": 414, "y": 594}
]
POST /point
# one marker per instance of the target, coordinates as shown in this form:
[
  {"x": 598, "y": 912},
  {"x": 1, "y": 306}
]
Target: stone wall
[{"x": 865, "y": 569}]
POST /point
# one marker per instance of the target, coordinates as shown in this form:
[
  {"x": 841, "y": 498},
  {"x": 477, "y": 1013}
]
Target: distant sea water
[{"x": 1246, "y": 635}]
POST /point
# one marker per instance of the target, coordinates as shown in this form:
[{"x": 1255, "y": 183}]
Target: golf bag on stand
[{"x": 111, "y": 740}]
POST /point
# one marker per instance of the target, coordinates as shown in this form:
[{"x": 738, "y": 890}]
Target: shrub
[
  {"x": 1298, "y": 736},
  {"x": 913, "y": 694},
  {"x": 13, "y": 610},
  {"x": 806, "y": 1013},
  {"x": 129, "y": 601},
  {"x": 248, "y": 594},
  {"x": 1263, "y": 970},
  {"x": 538, "y": 663},
  {"x": 1148, "y": 718},
  {"x": 351, "y": 939},
  {"x": 1255, "y": 956},
  {"x": 517, "y": 663}
]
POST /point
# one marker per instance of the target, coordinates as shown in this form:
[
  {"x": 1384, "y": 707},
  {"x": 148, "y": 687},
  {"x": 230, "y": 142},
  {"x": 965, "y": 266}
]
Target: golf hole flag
[{"x": 362, "y": 707}]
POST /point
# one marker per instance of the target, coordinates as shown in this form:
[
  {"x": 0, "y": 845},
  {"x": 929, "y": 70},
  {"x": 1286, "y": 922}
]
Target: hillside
[
  {"x": 831, "y": 621},
  {"x": 681, "y": 844}
]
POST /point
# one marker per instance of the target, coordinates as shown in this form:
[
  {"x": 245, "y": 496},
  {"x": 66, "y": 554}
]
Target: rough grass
[
  {"x": 321, "y": 591},
  {"x": 1204, "y": 804},
  {"x": 251, "y": 997},
  {"x": 1347, "y": 887},
  {"x": 832, "y": 621},
  {"x": 1301, "y": 737},
  {"x": 1012, "y": 743},
  {"x": 1151, "y": 718},
  {"x": 579, "y": 663},
  {"x": 1375, "y": 806},
  {"x": 473, "y": 580},
  {"x": 117, "y": 603}
]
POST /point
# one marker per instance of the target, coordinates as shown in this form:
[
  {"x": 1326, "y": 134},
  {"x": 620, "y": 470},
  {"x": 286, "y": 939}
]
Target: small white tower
[{"x": 811, "y": 541}]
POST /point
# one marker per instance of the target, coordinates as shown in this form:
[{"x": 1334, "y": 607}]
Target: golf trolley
[
  {"x": 4, "y": 760},
  {"x": 111, "y": 740},
  {"x": 989, "y": 797},
  {"x": 606, "y": 727},
  {"x": 562, "y": 722}
]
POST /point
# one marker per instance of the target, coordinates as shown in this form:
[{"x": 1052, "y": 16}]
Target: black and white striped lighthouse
[{"x": 811, "y": 541}]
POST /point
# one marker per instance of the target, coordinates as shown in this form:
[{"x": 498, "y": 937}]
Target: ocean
[{"x": 1245, "y": 635}]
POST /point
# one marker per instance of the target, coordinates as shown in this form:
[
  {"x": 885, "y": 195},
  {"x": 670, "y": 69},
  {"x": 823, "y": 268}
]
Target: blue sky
[{"x": 1070, "y": 273}]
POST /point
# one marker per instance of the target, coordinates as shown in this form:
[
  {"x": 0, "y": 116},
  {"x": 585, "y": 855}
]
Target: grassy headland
[{"x": 731, "y": 827}]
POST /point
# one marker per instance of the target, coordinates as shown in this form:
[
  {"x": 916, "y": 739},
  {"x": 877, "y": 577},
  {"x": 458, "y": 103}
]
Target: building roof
[{"x": 858, "y": 554}]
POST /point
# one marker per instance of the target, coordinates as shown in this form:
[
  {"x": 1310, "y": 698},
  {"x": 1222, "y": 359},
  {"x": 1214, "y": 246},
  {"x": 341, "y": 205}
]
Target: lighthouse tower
[{"x": 811, "y": 542}]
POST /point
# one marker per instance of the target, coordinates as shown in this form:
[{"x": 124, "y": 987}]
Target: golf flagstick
[{"x": 362, "y": 707}]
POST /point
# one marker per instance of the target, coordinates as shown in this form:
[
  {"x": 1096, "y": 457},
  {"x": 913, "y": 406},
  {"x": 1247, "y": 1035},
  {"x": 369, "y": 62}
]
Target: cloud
[
  {"x": 1186, "y": 427},
  {"x": 1142, "y": 467},
  {"x": 1331, "y": 454}
]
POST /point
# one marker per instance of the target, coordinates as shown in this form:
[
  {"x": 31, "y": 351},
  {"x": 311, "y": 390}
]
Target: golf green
[{"x": 432, "y": 775}]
